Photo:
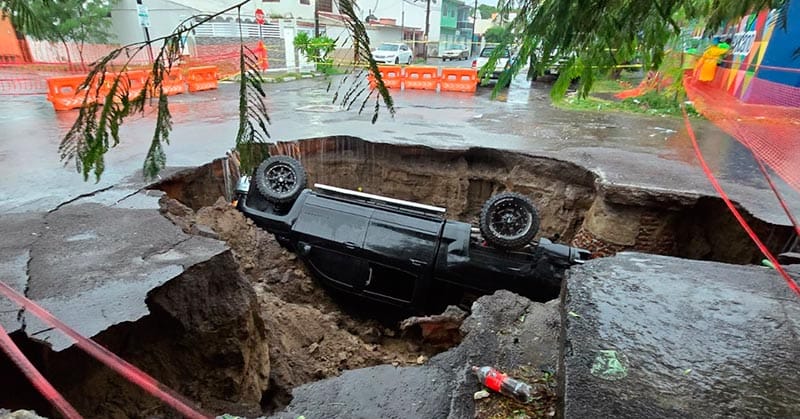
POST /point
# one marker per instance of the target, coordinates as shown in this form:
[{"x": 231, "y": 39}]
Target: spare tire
[
  {"x": 280, "y": 179},
  {"x": 509, "y": 220}
]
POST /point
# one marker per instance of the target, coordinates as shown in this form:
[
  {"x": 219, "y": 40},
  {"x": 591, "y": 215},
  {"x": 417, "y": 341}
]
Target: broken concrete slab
[
  {"x": 168, "y": 302},
  {"x": 93, "y": 266},
  {"x": 377, "y": 392},
  {"x": 505, "y": 330},
  {"x": 19, "y": 232},
  {"x": 654, "y": 336}
]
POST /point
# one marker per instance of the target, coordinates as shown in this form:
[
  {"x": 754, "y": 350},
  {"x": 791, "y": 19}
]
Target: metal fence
[{"x": 231, "y": 29}]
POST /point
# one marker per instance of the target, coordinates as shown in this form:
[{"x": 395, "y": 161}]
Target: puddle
[{"x": 320, "y": 108}]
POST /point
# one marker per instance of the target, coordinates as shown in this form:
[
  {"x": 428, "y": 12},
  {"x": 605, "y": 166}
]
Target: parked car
[
  {"x": 501, "y": 65},
  {"x": 393, "y": 53},
  {"x": 456, "y": 52},
  {"x": 399, "y": 252}
]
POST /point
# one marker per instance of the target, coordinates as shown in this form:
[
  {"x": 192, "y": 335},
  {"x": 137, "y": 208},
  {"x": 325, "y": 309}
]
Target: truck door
[
  {"x": 330, "y": 238},
  {"x": 400, "y": 250}
]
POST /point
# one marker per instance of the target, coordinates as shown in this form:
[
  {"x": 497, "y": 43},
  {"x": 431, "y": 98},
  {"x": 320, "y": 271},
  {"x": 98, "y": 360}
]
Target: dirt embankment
[{"x": 310, "y": 337}]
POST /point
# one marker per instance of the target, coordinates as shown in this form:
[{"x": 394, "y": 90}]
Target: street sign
[
  {"x": 144, "y": 15},
  {"x": 259, "y": 16}
]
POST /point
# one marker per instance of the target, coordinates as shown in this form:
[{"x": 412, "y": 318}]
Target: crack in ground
[
  {"x": 143, "y": 188},
  {"x": 171, "y": 247},
  {"x": 79, "y": 197},
  {"x": 21, "y": 313}
]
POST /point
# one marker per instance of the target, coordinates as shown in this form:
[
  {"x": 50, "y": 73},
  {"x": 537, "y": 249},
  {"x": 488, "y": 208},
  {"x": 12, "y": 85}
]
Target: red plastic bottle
[{"x": 497, "y": 381}]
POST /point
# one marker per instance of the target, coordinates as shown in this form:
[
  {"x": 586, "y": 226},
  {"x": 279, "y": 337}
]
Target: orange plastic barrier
[
  {"x": 459, "y": 80},
  {"x": 131, "y": 82},
  {"x": 135, "y": 81},
  {"x": 65, "y": 94},
  {"x": 202, "y": 78},
  {"x": 174, "y": 83},
  {"x": 421, "y": 77},
  {"x": 392, "y": 76}
]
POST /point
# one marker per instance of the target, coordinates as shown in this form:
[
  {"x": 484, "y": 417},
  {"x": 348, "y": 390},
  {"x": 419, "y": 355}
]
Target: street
[{"x": 648, "y": 152}]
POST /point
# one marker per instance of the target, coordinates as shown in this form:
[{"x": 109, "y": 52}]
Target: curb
[{"x": 279, "y": 79}]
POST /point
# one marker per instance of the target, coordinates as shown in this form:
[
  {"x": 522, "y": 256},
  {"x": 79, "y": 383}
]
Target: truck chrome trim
[{"x": 400, "y": 202}]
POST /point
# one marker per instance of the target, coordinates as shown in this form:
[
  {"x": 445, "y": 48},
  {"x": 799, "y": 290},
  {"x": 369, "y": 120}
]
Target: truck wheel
[
  {"x": 280, "y": 179},
  {"x": 509, "y": 220}
]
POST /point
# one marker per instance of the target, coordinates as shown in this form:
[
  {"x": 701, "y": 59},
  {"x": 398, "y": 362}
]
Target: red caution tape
[
  {"x": 36, "y": 378},
  {"x": 714, "y": 182},
  {"x": 122, "y": 367}
]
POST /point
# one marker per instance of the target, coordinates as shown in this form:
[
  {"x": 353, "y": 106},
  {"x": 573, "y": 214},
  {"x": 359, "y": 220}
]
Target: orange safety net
[
  {"x": 771, "y": 132},
  {"x": 654, "y": 81}
]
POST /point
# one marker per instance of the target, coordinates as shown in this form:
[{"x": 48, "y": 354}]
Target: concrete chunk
[{"x": 654, "y": 336}]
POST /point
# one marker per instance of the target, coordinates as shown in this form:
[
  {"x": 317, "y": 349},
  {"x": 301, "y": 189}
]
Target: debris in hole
[
  {"x": 310, "y": 337},
  {"x": 439, "y": 329},
  {"x": 481, "y": 395},
  {"x": 501, "y": 383}
]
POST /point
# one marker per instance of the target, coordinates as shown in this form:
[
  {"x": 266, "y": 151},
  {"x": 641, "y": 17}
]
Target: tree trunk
[
  {"x": 80, "y": 55},
  {"x": 69, "y": 59}
]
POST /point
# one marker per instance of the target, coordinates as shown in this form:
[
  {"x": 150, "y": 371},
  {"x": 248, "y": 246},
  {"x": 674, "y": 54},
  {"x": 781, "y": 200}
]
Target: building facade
[{"x": 456, "y": 24}]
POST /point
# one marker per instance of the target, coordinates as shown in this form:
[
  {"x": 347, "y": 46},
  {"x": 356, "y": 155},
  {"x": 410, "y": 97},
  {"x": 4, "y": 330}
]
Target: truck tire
[
  {"x": 509, "y": 220},
  {"x": 280, "y": 179}
]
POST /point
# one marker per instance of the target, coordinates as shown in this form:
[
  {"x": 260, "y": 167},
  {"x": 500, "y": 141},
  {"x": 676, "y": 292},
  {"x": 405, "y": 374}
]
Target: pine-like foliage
[
  {"x": 354, "y": 88},
  {"x": 97, "y": 128}
]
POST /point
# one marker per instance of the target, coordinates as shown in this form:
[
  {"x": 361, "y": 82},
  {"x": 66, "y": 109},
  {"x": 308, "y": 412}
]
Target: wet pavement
[
  {"x": 659, "y": 337},
  {"x": 92, "y": 234},
  {"x": 640, "y": 151}
]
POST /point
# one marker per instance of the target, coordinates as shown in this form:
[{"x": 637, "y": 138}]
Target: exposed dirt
[
  {"x": 575, "y": 205},
  {"x": 310, "y": 336}
]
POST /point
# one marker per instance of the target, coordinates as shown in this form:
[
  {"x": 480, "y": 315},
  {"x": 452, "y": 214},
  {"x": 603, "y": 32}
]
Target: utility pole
[
  {"x": 427, "y": 28},
  {"x": 146, "y": 33},
  {"x": 316, "y": 18},
  {"x": 402, "y": 20},
  {"x": 474, "y": 19}
]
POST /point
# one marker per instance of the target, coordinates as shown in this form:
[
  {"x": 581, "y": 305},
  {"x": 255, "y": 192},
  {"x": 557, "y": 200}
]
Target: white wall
[
  {"x": 283, "y": 8},
  {"x": 164, "y": 18},
  {"x": 414, "y": 13},
  {"x": 378, "y": 36}
]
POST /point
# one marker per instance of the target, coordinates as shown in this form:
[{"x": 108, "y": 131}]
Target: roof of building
[{"x": 339, "y": 19}]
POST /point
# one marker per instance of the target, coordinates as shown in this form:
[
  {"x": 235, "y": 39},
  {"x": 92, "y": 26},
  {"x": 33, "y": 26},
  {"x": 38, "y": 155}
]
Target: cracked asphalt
[
  {"x": 648, "y": 152},
  {"x": 38, "y": 192}
]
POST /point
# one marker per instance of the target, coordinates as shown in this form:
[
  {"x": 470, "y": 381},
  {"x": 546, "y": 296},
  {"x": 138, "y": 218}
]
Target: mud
[
  {"x": 299, "y": 332},
  {"x": 310, "y": 335},
  {"x": 575, "y": 204}
]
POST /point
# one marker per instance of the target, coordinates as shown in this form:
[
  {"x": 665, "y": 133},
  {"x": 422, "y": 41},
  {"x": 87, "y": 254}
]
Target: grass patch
[{"x": 651, "y": 103}]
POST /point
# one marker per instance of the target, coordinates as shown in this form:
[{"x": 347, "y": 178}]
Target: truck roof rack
[{"x": 332, "y": 190}]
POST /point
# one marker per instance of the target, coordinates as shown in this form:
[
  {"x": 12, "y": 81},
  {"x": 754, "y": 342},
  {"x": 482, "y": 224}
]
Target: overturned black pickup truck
[{"x": 404, "y": 253}]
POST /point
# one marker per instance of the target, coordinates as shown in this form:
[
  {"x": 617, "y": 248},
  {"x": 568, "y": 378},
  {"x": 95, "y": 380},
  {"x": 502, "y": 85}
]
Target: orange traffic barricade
[
  {"x": 392, "y": 76},
  {"x": 65, "y": 92},
  {"x": 135, "y": 82},
  {"x": 202, "y": 78},
  {"x": 173, "y": 84},
  {"x": 421, "y": 77},
  {"x": 459, "y": 80},
  {"x": 130, "y": 83}
]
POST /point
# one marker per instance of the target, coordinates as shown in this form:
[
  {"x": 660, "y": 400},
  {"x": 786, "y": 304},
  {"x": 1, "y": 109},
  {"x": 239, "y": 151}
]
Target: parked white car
[
  {"x": 455, "y": 52},
  {"x": 502, "y": 64},
  {"x": 393, "y": 53}
]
